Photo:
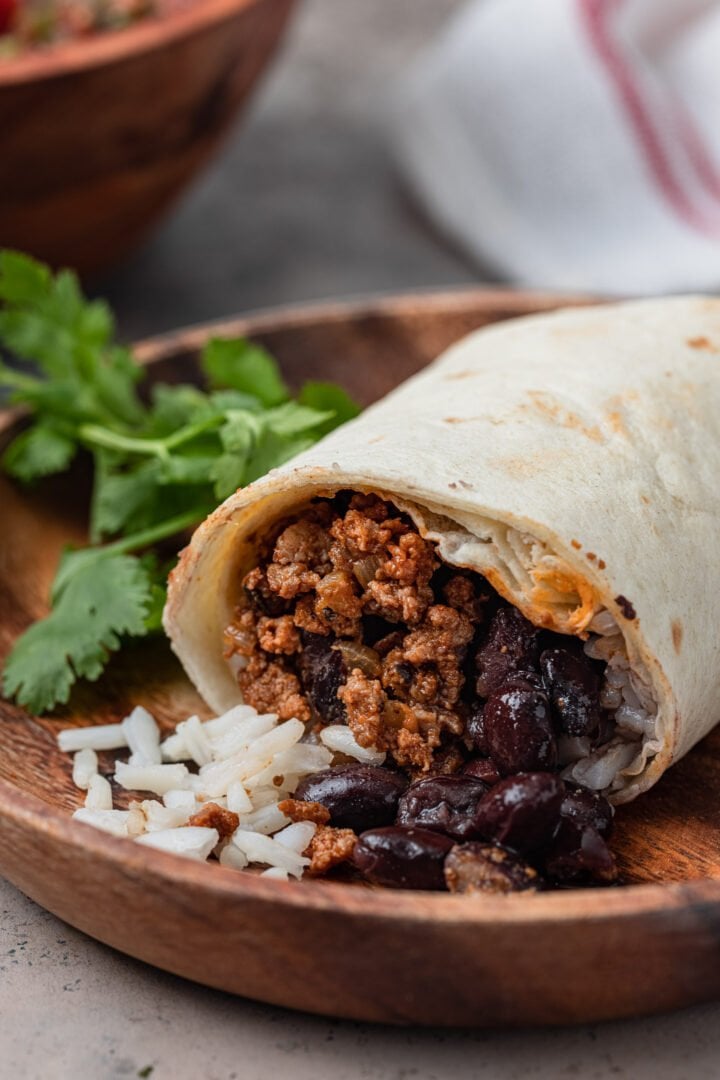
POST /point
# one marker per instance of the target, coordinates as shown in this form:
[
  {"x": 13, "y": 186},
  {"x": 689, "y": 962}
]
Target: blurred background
[
  {"x": 373, "y": 146},
  {"x": 305, "y": 200}
]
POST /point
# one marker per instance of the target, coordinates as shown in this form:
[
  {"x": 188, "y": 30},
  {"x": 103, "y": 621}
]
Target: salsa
[{"x": 31, "y": 24}]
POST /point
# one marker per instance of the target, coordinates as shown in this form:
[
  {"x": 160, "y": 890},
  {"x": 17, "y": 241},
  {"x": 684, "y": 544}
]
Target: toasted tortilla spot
[
  {"x": 601, "y": 564},
  {"x": 677, "y": 634},
  {"x": 616, "y": 423},
  {"x": 702, "y": 343},
  {"x": 576, "y": 544},
  {"x": 564, "y": 417},
  {"x": 626, "y": 607},
  {"x": 460, "y": 375},
  {"x": 591, "y": 556}
]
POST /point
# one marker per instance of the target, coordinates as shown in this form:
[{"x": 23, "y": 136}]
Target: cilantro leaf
[
  {"x": 328, "y": 397},
  {"x": 291, "y": 419},
  {"x": 96, "y": 601},
  {"x": 240, "y": 365},
  {"x": 175, "y": 407},
  {"x": 39, "y": 451},
  {"x": 159, "y": 467},
  {"x": 46, "y": 319},
  {"x": 119, "y": 496},
  {"x": 272, "y": 450}
]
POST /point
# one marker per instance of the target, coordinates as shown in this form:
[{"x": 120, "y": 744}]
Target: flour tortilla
[{"x": 571, "y": 458}]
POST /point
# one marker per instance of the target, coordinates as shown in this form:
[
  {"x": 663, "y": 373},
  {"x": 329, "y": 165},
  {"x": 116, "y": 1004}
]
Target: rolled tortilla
[{"x": 573, "y": 459}]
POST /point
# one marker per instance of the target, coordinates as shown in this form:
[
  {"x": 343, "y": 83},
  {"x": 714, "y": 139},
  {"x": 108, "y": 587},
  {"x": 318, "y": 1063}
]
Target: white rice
[
  {"x": 179, "y": 798},
  {"x": 297, "y": 836},
  {"x": 143, "y": 737},
  {"x": 246, "y": 762},
  {"x": 103, "y": 737},
  {"x": 190, "y": 841},
  {"x": 99, "y": 793},
  {"x": 111, "y": 821},
  {"x": 238, "y": 799},
  {"x": 625, "y": 693},
  {"x": 263, "y": 849},
  {"x": 340, "y": 739},
  {"x": 85, "y": 765},
  {"x": 155, "y": 778}
]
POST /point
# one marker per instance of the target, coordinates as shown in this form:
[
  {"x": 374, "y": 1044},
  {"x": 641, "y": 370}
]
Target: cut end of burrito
[
  {"x": 356, "y": 612},
  {"x": 502, "y": 570}
]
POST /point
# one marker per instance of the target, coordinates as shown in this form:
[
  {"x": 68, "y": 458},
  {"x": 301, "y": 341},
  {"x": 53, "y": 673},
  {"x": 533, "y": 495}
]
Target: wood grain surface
[
  {"x": 99, "y": 136},
  {"x": 650, "y": 945}
]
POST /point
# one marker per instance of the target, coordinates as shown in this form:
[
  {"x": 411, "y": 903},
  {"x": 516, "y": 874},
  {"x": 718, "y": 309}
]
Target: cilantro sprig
[{"x": 161, "y": 462}]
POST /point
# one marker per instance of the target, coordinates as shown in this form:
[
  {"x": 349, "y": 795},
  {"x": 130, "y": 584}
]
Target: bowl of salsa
[{"x": 109, "y": 108}]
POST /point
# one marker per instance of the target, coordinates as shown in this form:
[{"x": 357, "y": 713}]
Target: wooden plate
[{"x": 326, "y": 947}]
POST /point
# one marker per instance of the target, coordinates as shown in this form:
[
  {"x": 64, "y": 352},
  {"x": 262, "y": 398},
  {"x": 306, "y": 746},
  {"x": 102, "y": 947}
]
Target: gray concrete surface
[
  {"x": 70, "y": 1008},
  {"x": 303, "y": 204}
]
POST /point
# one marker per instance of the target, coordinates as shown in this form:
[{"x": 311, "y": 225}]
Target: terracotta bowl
[{"x": 99, "y": 136}]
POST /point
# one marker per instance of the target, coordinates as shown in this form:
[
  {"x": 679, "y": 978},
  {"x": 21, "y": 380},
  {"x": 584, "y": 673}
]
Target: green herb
[{"x": 160, "y": 465}]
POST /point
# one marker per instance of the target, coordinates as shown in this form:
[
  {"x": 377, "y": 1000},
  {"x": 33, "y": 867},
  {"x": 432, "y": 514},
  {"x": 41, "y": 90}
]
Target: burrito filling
[{"x": 490, "y": 743}]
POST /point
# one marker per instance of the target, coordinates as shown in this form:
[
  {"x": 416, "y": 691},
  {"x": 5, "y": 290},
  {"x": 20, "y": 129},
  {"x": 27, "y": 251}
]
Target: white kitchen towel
[{"x": 573, "y": 144}]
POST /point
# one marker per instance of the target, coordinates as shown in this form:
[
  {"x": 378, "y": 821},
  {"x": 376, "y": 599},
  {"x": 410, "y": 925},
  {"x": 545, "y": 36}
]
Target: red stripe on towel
[{"x": 596, "y": 17}]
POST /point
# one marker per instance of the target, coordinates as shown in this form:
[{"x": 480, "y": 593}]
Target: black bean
[
  {"x": 445, "y": 804},
  {"x": 266, "y": 601},
  {"x": 511, "y": 645},
  {"x": 358, "y": 796},
  {"x": 579, "y": 853},
  {"x": 475, "y": 727},
  {"x": 404, "y": 858},
  {"x": 518, "y": 729},
  {"x": 587, "y": 807},
  {"x": 322, "y": 673},
  {"x": 483, "y": 769},
  {"x": 521, "y": 812},
  {"x": 574, "y": 690},
  {"x": 487, "y": 868}
]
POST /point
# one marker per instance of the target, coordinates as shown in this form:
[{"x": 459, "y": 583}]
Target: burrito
[{"x": 504, "y": 569}]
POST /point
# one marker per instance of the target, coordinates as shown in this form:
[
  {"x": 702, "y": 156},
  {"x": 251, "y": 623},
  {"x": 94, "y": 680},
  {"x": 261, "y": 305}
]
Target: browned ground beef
[
  {"x": 330, "y": 847},
  {"x": 346, "y": 573},
  {"x": 212, "y": 816}
]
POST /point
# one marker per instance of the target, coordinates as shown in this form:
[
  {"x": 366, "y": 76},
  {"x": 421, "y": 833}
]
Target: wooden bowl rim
[
  {"x": 594, "y": 904},
  {"x": 103, "y": 49}
]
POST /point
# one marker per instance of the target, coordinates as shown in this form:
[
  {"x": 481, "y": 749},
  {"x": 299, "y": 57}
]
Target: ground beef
[
  {"x": 271, "y": 688},
  {"x": 434, "y": 653},
  {"x": 329, "y": 847},
  {"x": 305, "y": 617},
  {"x": 297, "y": 810},
  {"x": 212, "y": 816},
  {"x": 356, "y": 570},
  {"x": 460, "y": 592},
  {"x": 278, "y": 635},
  {"x": 364, "y": 702},
  {"x": 299, "y": 559}
]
